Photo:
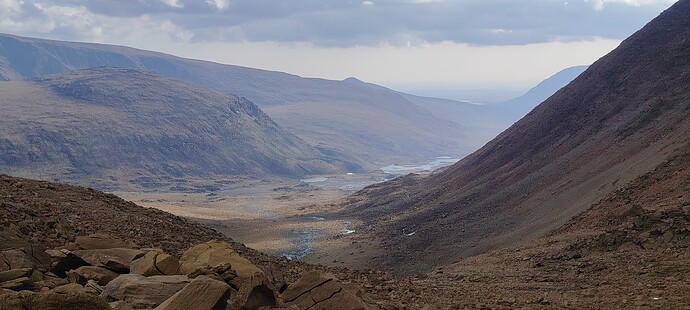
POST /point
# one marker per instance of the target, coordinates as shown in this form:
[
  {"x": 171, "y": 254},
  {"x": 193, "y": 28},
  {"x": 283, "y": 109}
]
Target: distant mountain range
[
  {"x": 345, "y": 125},
  {"x": 371, "y": 126},
  {"x": 105, "y": 127},
  {"x": 625, "y": 116},
  {"x": 513, "y": 110}
]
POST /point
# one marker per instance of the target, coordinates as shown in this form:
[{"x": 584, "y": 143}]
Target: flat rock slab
[
  {"x": 155, "y": 263},
  {"x": 144, "y": 292},
  {"x": 213, "y": 254},
  {"x": 204, "y": 293},
  {"x": 116, "y": 259},
  {"x": 317, "y": 291},
  {"x": 83, "y": 274}
]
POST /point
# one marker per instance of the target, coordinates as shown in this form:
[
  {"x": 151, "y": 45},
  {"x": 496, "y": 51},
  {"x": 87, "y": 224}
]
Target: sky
[{"x": 423, "y": 45}]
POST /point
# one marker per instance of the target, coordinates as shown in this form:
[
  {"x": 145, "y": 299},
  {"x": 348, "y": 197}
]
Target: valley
[
  {"x": 133, "y": 179},
  {"x": 298, "y": 219}
]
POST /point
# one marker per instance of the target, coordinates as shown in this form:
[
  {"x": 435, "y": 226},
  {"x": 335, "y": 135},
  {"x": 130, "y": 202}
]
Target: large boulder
[
  {"x": 83, "y": 274},
  {"x": 64, "y": 260},
  {"x": 143, "y": 292},
  {"x": 115, "y": 259},
  {"x": 100, "y": 241},
  {"x": 14, "y": 274},
  {"x": 21, "y": 279},
  {"x": 17, "y": 259},
  {"x": 155, "y": 263},
  {"x": 321, "y": 291},
  {"x": 71, "y": 288},
  {"x": 213, "y": 254},
  {"x": 203, "y": 293},
  {"x": 255, "y": 292}
]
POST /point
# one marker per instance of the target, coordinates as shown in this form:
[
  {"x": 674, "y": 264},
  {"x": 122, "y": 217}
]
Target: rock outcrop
[
  {"x": 213, "y": 276},
  {"x": 155, "y": 263},
  {"x": 202, "y": 293},
  {"x": 322, "y": 291},
  {"x": 213, "y": 254}
]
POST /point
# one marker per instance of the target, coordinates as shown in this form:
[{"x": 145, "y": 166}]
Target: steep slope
[
  {"x": 107, "y": 126},
  {"x": 374, "y": 126},
  {"x": 621, "y": 118},
  {"x": 514, "y": 109}
]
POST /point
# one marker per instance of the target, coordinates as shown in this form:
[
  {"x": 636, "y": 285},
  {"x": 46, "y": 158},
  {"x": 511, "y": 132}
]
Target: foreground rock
[
  {"x": 202, "y": 293},
  {"x": 115, "y": 259},
  {"x": 143, "y": 292},
  {"x": 322, "y": 291},
  {"x": 215, "y": 253},
  {"x": 155, "y": 263},
  {"x": 83, "y": 274}
]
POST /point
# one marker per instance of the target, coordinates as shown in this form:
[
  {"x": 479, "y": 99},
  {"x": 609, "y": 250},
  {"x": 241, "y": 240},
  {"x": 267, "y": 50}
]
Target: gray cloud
[{"x": 338, "y": 23}]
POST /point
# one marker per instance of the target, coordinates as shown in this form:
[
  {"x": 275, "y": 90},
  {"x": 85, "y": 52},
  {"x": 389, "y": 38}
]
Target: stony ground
[{"x": 638, "y": 259}]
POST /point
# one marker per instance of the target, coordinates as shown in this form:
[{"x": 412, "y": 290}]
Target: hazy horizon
[{"x": 468, "y": 45}]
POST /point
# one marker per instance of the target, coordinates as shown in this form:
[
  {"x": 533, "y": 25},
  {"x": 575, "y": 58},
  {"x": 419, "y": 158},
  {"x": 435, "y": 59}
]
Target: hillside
[
  {"x": 374, "y": 127},
  {"x": 112, "y": 127},
  {"x": 579, "y": 266},
  {"x": 621, "y": 118}
]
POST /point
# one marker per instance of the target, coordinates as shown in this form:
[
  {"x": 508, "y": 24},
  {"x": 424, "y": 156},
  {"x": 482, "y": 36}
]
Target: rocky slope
[
  {"x": 620, "y": 119},
  {"x": 61, "y": 246},
  {"x": 374, "y": 127},
  {"x": 109, "y": 127},
  {"x": 628, "y": 250}
]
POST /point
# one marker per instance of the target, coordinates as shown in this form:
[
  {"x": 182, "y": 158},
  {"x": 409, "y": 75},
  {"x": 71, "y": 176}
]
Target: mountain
[
  {"x": 105, "y": 127},
  {"x": 371, "y": 126},
  {"x": 620, "y": 119},
  {"x": 514, "y": 109},
  {"x": 479, "y": 123}
]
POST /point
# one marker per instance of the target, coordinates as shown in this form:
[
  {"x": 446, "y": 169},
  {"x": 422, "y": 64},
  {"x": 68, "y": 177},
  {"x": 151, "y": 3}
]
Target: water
[
  {"x": 304, "y": 243},
  {"x": 314, "y": 180},
  {"x": 346, "y": 229},
  {"x": 436, "y": 163}
]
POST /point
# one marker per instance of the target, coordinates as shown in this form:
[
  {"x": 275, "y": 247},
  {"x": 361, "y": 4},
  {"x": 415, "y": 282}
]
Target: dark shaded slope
[
  {"x": 123, "y": 125},
  {"x": 621, "y": 118},
  {"x": 372, "y": 126}
]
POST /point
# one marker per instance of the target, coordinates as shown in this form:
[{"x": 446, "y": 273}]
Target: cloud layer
[{"x": 332, "y": 23}]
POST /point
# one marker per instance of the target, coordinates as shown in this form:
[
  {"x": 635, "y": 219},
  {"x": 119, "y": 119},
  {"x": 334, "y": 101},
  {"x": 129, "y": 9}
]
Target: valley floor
[{"x": 279, "y": 217}]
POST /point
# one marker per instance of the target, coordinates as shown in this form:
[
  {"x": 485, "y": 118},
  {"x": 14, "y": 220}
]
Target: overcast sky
[{"x": 400, "y": 43}]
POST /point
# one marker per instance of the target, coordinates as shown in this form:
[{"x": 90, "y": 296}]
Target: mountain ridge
[
  {"x": 371, "y": 126},
  {"x": 620, "y": 119},
  {"x": 131, "y": 124}
]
